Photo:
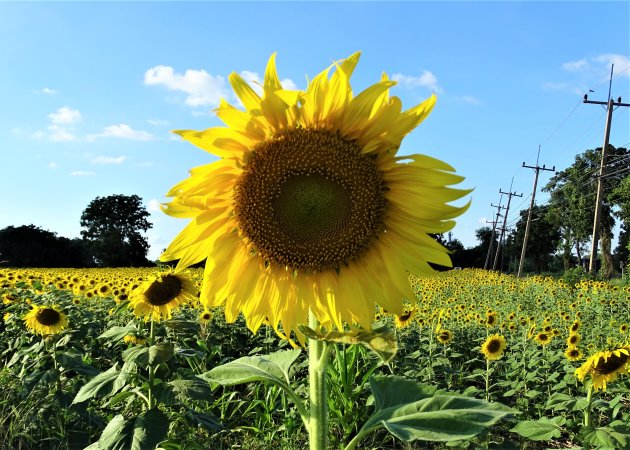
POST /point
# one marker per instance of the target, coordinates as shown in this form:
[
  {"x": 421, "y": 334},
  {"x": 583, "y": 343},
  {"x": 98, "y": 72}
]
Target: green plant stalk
[
  {"x": 587, "y": 411},
  {"x": 151, "y": 369},
  {"x": 487, "y": 380},
  {"x": 318, "y": 402}
]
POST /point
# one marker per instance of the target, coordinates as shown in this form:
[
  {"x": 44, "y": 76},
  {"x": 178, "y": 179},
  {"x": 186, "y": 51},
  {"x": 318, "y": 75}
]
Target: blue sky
[{"x": 90, "y": 91}]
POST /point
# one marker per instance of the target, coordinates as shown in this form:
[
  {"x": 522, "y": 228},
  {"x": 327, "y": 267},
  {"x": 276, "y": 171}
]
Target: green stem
[
  {"x": 318, "y": 413},
  {"x": 587, "y": 411},
  {"x": 487, "y": 380},
  {"x": 151, "y": 370}
]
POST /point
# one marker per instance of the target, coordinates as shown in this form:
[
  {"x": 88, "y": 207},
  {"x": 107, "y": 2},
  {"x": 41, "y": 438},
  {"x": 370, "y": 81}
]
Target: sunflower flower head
[
  {"x": 493, "y": 347},
  {"x": 163, "y": 293},
  {"x": 605, "y": 366},
  {"x": 45, "y": 320},
  {"x": 309, "y": 207},
  {"x": 444, "y": 336}
]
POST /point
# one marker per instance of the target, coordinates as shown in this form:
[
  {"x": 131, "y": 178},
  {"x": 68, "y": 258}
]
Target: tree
[
  {"x": 113, "y": 227},
  {"x": 31, "y": 246},
  {"x": 544, "y": 236},
  {"x": 572, "y": 199}
]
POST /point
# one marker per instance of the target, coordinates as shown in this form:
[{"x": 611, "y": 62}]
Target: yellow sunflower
[
  {"x": 573, "y": 339},
  {"x": 44, "y": 320},
  {"x": 493, "y": 347},
  {"x": 573, "y": 353},
  {"x": 309, "y": 206},
  {"x": 205, "y": 316},
  {"x": 543, "y": 338},
  {"x": 157, "y": 297},
  {"x": 444, "y": 336},
  {"x": 404, "y": 320},
  {"x": 604, "y": 367}
]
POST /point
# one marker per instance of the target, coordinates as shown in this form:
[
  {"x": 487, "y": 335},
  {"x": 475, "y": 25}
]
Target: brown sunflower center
[
  {"x": 493, "y": 346},
  {"x": 309, "y": 200},
  {"x": 162, "y": 292},
  {"x": 612, "y": 364},
  {"x": 48, "y": 316}
]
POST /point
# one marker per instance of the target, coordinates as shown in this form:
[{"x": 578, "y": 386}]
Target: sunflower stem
[
  {"x": 318, "y": 411},
  {"x": 151, "y": 369},
  {"x": 587, "y": 411}
]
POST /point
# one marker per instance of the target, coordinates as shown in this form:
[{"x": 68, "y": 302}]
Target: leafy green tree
[
  {"x": 113, "y": 227},
  {"x": 544, "y": 236},
  {"x": 572, "y": 199},
  {"x": 31, "y": 246}
]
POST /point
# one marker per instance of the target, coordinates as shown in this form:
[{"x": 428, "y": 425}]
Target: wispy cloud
[
  {"x": 202, "y": 88},
  {"x": 471, "y": 100},
  {"x": 426, "y": 80},
  {"x": 576, "y": 66},
  {"x": 157, "y": 122},
  {"x": 597, "y": 68},
  {"x": 82, "y": 173},
  {"x": 52, "y": 165},
  {"x": 47, "y": 91},
  {"x": 121, "y": 131},
  {"x": 108, "y": 159},
  {"x": 145, "y": 164},
  {"x": 621, "y": 62},
  {"x": 153, "y": 205}
]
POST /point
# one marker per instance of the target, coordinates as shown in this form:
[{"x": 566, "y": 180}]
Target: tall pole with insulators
[
  {"x": 610, "y": 106},
  {"x": 503, "y": 228},
  {"x": 537, "y": 169}
]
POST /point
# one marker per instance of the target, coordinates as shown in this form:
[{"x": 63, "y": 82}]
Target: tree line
[{"x": 111, "y": 236}]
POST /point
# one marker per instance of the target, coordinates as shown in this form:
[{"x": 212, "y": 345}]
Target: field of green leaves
[{"x": 90, "y": 373}]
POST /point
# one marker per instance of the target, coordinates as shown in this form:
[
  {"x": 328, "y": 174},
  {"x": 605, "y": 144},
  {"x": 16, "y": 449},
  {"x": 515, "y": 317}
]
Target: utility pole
[
  {"x": 610, "y": 106},
  {"x": 503, "y": 229},
  {"x": 537, "y": 168},
  {"x": 494, "y": 227}
]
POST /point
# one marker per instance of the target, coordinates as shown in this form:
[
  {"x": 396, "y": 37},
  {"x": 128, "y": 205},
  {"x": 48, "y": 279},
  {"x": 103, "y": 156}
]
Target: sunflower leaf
[
  {"x": 144, "y": 356},
  {"x": 105, "y": 383},
  {"x": 381, "y": 340},
  {"x": 143, "y": 432},
  {"x": 412, "y": 411},
  {"x": 272, "y": 368},
  {"x": 118, "y": 333},
  {"x": 542, "y": 429}
]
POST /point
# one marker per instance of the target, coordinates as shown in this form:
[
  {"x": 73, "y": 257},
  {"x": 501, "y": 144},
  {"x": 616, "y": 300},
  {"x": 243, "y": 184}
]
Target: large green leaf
[
  {"x": 145, "y": 356},
  {"x": 105, "y": 383},
  {"x": 273, "y": 368},
  {"x": 118, "y": 333},
  {"x": 142, "y": 432},
  {"x": 411, "y": 411},
  {"x": 188, "y": 388},
  {"x": 542, "y": 429}
]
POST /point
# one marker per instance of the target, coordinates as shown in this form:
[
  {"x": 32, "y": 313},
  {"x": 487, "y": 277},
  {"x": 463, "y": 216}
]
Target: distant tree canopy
[
  {"x": 31, "y": 246},
  {"x": 113, "y": 227}
]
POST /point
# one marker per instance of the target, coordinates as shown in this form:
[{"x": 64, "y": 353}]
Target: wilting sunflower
[
  {"x": 493, "y": 347},
  {"x": 157, "y": 297},
  {"x": 45, "y": 320},
  {"x": 573, "y": 353},
  {"x": 309, "y": 206},
  {"x": 605, "y": 366},
  {"x": 444, "y": 336}
]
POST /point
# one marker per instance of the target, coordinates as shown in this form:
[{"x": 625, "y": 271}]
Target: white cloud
[
  {"x": 64, "y": 116},
  {"x": 157, "y": 122},
  {"x": 82, "y": 173},
  {"x": 576, "y": 66},
  {"x": 483, "y": 220},
  {"x": 255, "y": 81},
  {"x": 121, "y": 131},
  {"x": 153, "y": 205},
  {"x": 621, "y": 63},
  {"x": 202, "y": 88},
  {"x": 52, "y": 165},
  {"x": 47, "y": 91},
  {"x": 60, "y": 134},
  {"x": 470, "y": 100},
  {"x": 146, "y": 164},
  {"x": 108, "y": 160},
  {"x": 426, "y": 79}
]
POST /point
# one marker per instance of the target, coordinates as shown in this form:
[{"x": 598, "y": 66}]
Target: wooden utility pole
[
  {"x": 503, "y": 228},
  {"x": 537, "y": 168},
  {"x": 494, "y": 227},
  {"x": 610, "y": 106}
]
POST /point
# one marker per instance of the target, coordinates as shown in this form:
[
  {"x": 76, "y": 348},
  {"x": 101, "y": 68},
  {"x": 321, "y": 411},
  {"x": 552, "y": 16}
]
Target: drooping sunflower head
[
  {"x": 44, "y": 320},
  {"x": 309, "y": 208},
  {"x": 604, "y": 367},
  {"x": 493, "y": 347},
  {"x": 157, "y": 297}
]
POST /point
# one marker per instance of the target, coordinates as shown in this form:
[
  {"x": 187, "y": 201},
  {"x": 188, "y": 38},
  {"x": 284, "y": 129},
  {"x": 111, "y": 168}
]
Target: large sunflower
[
  {"x": 605, "y": 366},
  {"x": 157, "y": 297},
  {"x": 45, "y": 320},
  {"x": 309, "y": 207},
  {"x": 493, "y": 347}
]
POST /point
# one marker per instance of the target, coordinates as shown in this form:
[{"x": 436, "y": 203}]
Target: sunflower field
[{"x": 86, "y": 365}]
